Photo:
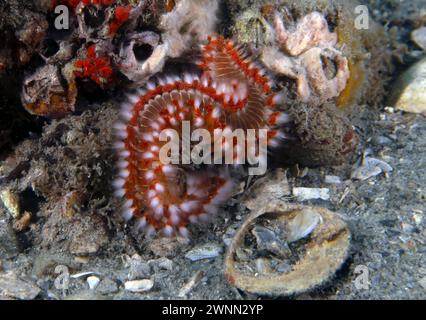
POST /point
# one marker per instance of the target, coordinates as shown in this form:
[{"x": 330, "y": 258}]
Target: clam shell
[{"x": 327, "y": 240}]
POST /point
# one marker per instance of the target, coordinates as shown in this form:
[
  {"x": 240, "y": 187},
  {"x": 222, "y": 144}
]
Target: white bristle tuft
[
  {"x": 155, "y": 202},
  {"x": 168, "y": 169},
  {"x": 174, "y": 214},
  {"x": 188, "y": 78},
  {"x": 151, "y": 194},
  {"x": 197, "y": 102},
  {"x": 210, "y": 208},
  {"x": 155, "y": 125},
  {"x": 168, "y": 231},
  {"x": 119, "y": 193},
  {"x": 148, "y": 137},
  {"x": 128, "y": 204},
  {"x": 189, "y": 206},
  {"x": 184, "y": 232},
  {"x": 148, "y": 155},
  {"x": 159, "y": 187},
  {"x": 141, "y": 224},
  {"x": 126, "y": 115},
  {"x": 149, "y": 175},
  {"x": 221, "y": 88},
  {"x": 273, "y": 143},
  {"x": 278, "y": 99},
  {"x": 155, "y": 149},
  {"x": 119, "y": 145},
  {"x": 204, "y": 217},
  {"x": 193, "y": 219},
  {"x": 150, "y": 86},
  {"x": 199, "y": 122},
  {"x": 159, "y": 212},
  {"x": 216, "y": 113},
  {"x": 205, "y": 82},
  {"x": 235, "y": 99},
  {"x": 150, "y": 231},
  {"x": 134, "y": 99},
  {"x": 124, "y": 153},
  {"x": 283, "y": 119},
  {"x": 127, "y": 214},
  {"x": 121, "y": 134},
  {"x": 118, "y": 183},
  {"x": 123, "y": 164}
]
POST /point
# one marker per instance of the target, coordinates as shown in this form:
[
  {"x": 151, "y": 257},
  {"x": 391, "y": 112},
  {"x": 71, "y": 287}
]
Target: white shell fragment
[
  {"x": 304, "y": 194},
  {"x": 93, "y": 282},
  {"x": 302, "y": 225},
  {"x": 139, "y": 286},
  {"x": 332, "y": 180},
  {"x": 370, "y": 167},
  {"x": 208, "y": 251}
]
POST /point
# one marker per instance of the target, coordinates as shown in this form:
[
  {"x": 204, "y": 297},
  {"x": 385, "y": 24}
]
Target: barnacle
[
  {"x": 108, "y": 40},
  {"x": 49, "y": 92},
  {"x": 134, "y": 69},
  {"x": 232, "y": 93}
]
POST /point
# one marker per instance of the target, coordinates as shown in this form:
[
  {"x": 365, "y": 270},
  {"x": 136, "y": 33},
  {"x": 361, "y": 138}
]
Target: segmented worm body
[{"x": 231, "y": 93}]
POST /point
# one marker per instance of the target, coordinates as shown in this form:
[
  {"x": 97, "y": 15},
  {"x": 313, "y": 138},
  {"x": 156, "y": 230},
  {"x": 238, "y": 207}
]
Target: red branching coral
[
  {"x": 74, "y": 3},
  {"x": 97, "y": 68},
  {"x": 231, "y": 94},
  {"x": 121, "y": 16}
]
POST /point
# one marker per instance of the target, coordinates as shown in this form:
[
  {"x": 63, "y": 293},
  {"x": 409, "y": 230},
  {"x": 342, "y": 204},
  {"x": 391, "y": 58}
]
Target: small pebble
[
  {"x": 207, "y": 251},
  {"x": 303, "y": 194},
  {"x": 139, "y": 285},
  {"x": 165, "y": 264},
  {"x": 107, "y": 286},
  {"x": 138, "y": 268},
  {"x": 407, "y": 228},
  {"x": 267, "y": 240},
  {"x": 333, "y": 180},
  {"x": 409, "y": 92},
  {"x": 284, "y": 267},
  {"x": 10, "y": 200},
  {"x": 418, "y": 36},
  {"x": 418, "y": 218},
  {"x": 422, "y": 282},
  {"x": 12, "y": 286},
  {"x": 382, "y": 140}
]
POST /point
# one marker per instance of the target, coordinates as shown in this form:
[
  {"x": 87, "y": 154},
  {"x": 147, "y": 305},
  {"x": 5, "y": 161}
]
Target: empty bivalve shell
[{"x": 287, "y": 249}]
